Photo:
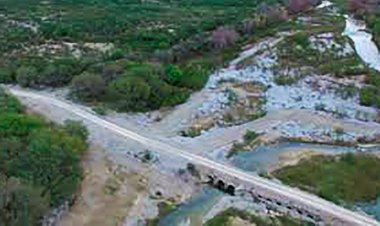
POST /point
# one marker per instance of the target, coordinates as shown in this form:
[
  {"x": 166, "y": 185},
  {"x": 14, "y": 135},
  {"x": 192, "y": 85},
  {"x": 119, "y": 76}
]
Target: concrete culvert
[{"x": 230, "y": 190}]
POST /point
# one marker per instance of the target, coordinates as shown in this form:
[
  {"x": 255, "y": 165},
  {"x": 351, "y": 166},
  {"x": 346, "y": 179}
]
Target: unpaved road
[{"x": 294, "y": 195}]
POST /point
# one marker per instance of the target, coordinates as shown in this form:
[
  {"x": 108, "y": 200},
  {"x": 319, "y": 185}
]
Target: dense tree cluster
[
  {"x": 39, "y": 163},
  {"x": 132, "y": 86}
]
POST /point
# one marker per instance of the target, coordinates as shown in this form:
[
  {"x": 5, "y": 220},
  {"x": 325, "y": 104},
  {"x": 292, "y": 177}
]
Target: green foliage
[
  {"x": 348, "y": 91},
  {"x": 370, "y": 95},
  {"x": 57, "y": 74},
  {"x": 27, "y": 76},
  {"x": 224, "y": 219},
  {"x": 283, "y": 80},
  {"x": 40, "y": 163},
  {"x": 88, "y": 86},
  {"x": 349, "y": 178},
  {"x": 76, "y": 129},
  {"x": 173, "y": 74},
  {"x": 129, "y": 94},
  {"x": 142, "y": 88},
  {"x": 250, "y": 136},
  {"x": 6, "y": 76},
  {"x": 302, "y": 39},
  {"x": 9, "y": 104}
]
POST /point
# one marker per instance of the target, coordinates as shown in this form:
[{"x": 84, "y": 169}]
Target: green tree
[
  {"x": 76, "y": 129},
  {"x": 129, "y": 94},
  {"x": 88, "y": 86},
  {"x": 52, "y": 161},
  {"x": 173, "y": 74},
  {"x": 27, "y": 76},
  {"x": 6, "y": 76}
]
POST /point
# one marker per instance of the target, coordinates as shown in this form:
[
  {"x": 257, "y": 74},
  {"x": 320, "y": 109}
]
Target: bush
[
  {"x": 283, "y": 80},
  {"x": 27, "y": 76},
  {"x": 302, "y": 39},
  {"x": 88, "y": 86},
  {"x": 129, "y": 94},
  {"x": 9, "y": 104},
  {"x": 250, "y": 136},
  {"x": 173, "y": 74},
  {"x": 55, "y": 75},
  {"x": 111, "y": 72},
  {"x": 76, "y": 129},
  {"x": 369, "y": 96},
  {"x": 6, "y": 76}
]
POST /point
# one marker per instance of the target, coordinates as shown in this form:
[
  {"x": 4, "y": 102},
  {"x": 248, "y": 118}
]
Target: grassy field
[
  {"x": 348, "y": 178},
  {"x": 226, "y": 219}
]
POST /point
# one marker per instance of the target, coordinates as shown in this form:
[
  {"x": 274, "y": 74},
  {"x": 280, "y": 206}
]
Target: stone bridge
[{"x": 273, "y": 202}]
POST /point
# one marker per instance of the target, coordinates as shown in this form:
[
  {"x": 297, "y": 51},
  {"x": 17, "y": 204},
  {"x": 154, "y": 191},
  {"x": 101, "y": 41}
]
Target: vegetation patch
[
  {"x": 250, "y": 140},
  {"x": 370, "y": 94},
  {"x": 39, "y": 163},
  {"x": 225, "y": 218},
  {"x": 348, "y": 178},
  {"x": 164, "y": 208}
]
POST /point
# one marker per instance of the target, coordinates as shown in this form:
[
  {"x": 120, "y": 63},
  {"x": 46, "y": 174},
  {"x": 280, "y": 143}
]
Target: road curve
[{"x": 296, "y": 195}]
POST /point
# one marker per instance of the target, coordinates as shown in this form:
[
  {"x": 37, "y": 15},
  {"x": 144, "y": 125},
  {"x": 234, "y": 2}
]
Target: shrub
[
  {"x": 302, "y": 39},
  {"x": 76, "y": 129},
  {"x": 173, "y": 74},
  {"x": 6, "y": 76},
  {"x": 9, "y": 104},
  {"x": 129, "y": 94},
  {"x": 27, "y": 76},
  {"x": 55, "y": 75},
  {"x": 369, "y": 96},
  {"x": 283, "y": 80},
  {"x": 111, "y": 72},
  {"x": 250, "y": 136},
  {"x": 88, "y": 86}
]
